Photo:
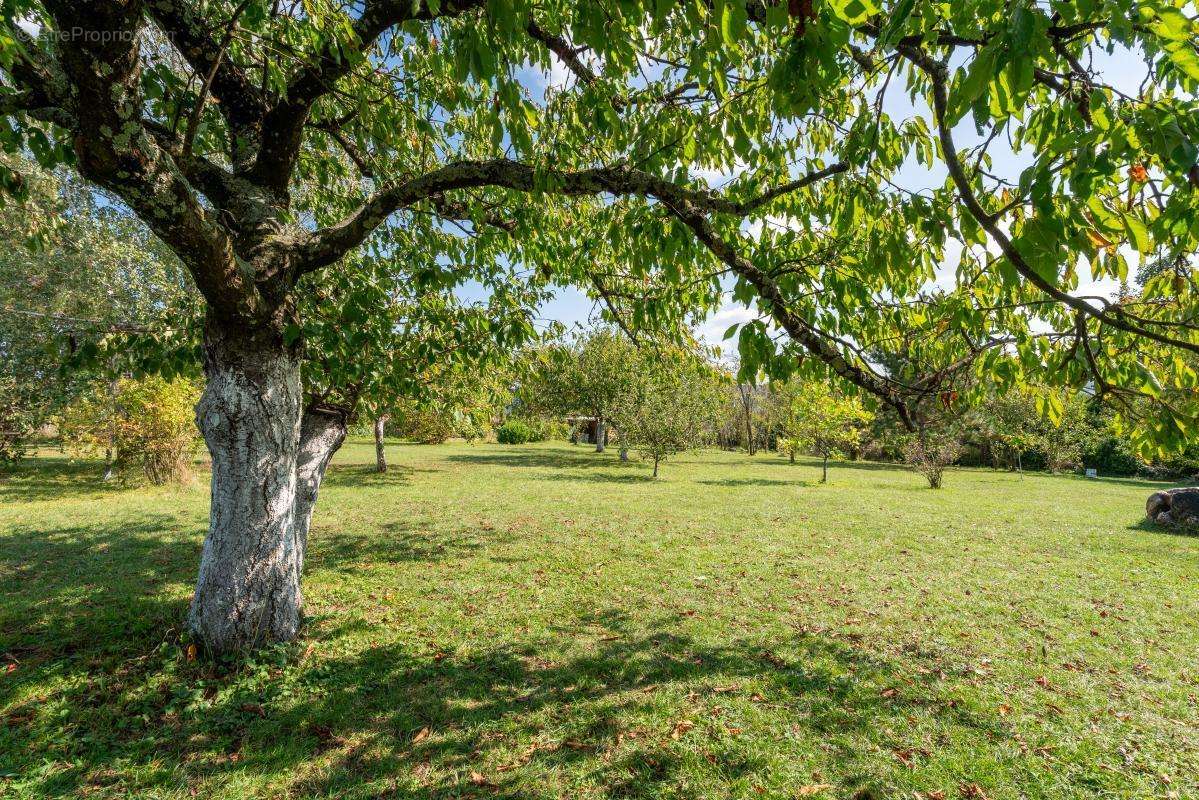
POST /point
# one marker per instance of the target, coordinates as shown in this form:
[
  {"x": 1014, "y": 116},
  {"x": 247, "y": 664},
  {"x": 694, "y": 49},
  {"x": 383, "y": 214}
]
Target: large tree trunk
[
  {"x": 248, "y": 590},
  {"x": 601, "y": 434},
  {"x": 380, "y": 456}
]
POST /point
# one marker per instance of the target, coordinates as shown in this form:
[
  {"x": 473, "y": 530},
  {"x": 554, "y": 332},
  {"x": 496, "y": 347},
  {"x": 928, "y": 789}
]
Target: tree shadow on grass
[
  {"x": 91, "y": 613},
  {"x": 364, "y": 475},
  {"x": 36, "y": 479},
  {"x": 586, "y": 466},
  {"x": 755, "y": 482},
  {"x": 93, "y": 588},
  {"x": 496, "y": 718},
  {"x": 574, "y": 458},
  {"x": 807, "y": 462},
  {"x": 1147, "y": 526},
  {"x": 399, "y": 543}
]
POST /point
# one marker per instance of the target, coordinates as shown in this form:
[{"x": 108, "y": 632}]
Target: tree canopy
[{"x": 335, "y": 126}]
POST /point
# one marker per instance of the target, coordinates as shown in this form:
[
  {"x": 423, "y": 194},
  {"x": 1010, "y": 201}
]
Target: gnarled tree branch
[{"x": 328, "y": 244}]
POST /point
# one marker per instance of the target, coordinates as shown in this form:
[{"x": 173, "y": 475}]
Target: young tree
[
  {"x": 673, "y": 407},
  {"x": 378, "y": 426},
  {"x": 929, "y": 453},
  {"x": 821, "y": 420},
  {"x": 590, "y": 375},
  {"x": 752, "y": 403}
]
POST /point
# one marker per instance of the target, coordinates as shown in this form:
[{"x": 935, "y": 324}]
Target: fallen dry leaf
[
  {"x": 680, "y": 728},
  {"x": 972, "y": 791},
  {"x": 421, "y": 735},
  {"x": 1004, "y": 709},
  {"x": 478, "y": 779},
  {"x": 907, "y": 755}
]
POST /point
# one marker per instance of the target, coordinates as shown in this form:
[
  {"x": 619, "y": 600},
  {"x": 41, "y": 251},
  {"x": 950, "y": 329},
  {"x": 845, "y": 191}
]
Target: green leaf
[
  {"x": 895, "y": 20},
  {"x": 1138, "y": 234},
  {"x": 981, "y": 72}
]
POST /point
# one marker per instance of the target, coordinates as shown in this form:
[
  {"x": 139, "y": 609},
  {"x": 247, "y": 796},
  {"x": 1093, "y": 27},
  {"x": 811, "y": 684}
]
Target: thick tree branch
[
  {"x": 799, "y": 329},
  {"x": 283, "y": 125},
  {"x": 241, "y": 102},
  {"x": 117, "y": 152},
  {"x": 42, "y": 90},
  {"x": 329, "y": 244}
]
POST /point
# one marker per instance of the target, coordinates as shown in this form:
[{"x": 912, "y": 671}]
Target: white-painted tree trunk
[
  {"x": 268, "y": 460},
  {"x": 601, "y": 434},
  {"x": 321, "y": 435},
  {"x": 380, "y": 455}
]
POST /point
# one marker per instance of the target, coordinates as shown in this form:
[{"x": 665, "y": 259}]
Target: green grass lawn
[{"x": 545, "y": 622}]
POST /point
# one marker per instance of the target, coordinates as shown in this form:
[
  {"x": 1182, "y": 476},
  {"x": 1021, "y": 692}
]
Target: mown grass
[{"x": 545, "y": 622}]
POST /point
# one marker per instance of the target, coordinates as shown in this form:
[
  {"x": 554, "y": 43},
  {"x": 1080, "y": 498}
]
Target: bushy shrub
[
  {"x": 145, "y": 425},
  {"x": 516, "y": 431},
  {"x": 550, "y": 429},
  {"x": 523, "y": 430},
  {"x": 1113, "y": 456},
  {"x": 472, "y": 424},
  {"x": 424, "y": 426}
]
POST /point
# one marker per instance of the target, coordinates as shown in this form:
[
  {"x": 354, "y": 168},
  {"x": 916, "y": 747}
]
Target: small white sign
[{"x": 1092, "y": 472}]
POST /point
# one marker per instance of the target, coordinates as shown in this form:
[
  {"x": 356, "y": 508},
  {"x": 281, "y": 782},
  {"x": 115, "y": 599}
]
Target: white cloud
[{"x": 711, "y": 330}]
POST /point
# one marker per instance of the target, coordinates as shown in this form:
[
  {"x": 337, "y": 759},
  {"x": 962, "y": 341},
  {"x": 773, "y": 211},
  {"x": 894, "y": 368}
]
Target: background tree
[
  {"x": 820, "y": 420},
  {"x": 752, "y": 403},
  {"x": 1052, "y": 427},
  {"x": 674, "y": 407},
  {"x": 73, "y": 270},
  {"x": 148, "y": 425},
  {"x": 590, "y": 375}
]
